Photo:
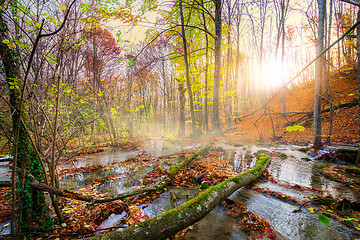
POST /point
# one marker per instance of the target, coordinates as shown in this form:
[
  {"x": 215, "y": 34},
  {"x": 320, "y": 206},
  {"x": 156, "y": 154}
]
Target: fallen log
[
  {"x": 5, "y": 184},
  {"x": 309, "y": 115},
  {"x": 173, "y": 221}
]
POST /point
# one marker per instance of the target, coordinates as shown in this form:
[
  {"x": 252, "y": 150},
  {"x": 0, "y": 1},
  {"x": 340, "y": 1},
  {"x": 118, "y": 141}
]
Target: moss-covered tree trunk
[
  {"x": 358, "y": 72},
  {"x": 30, "y": 202},
  {"x": 173, "y": 221}
]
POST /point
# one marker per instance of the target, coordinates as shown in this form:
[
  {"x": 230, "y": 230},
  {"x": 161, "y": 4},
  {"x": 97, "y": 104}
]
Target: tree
[
  {"x": 281, "y": 17},
  {"x": 217, "y": 70},
  {"x": 29, "y": 209},
  {"x": 24, "y": 197},
  {"x": 188, "y": 84},
  {"x": 100, "y": 54},
  {"x": 358, "y": 75},
  {"x": 318, "y": 74}
]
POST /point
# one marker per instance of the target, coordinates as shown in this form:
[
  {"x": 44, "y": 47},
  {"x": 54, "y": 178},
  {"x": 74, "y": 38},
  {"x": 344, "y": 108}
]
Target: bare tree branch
[{"x": 355, "y": 2}]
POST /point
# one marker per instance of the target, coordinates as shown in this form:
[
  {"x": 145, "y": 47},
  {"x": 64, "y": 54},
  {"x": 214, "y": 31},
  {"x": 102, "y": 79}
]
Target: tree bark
[
  {"x": 355, "y": 2},
  {"x": 206, "y": 116},
  {"x": 173, "y": 221},
  {"x": 187, "y": 69},
  {"x": 283, "y": 13},
  {"x": 217, "y": 71},
  {"x": 227, "y": 90},
  {"x": 318, "y": 75},
  {"x": 181, "y": 132},
  {"x": 358, "y": 72}
]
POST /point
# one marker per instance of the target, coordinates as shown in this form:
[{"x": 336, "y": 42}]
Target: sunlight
[{"x": 272, "y": 74}]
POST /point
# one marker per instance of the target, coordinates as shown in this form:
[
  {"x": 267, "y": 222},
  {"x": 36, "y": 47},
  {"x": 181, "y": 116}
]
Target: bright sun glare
[{"x": 272, "y": 74}]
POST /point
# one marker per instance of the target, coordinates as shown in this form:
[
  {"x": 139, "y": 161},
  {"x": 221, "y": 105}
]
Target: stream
[{"x": 297, "y": 168}]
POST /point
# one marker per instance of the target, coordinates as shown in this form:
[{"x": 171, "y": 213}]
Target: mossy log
[{"x": 173, "y": 221}]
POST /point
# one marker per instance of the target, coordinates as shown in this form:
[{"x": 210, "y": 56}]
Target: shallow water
[
  {"x": 124, "y": 184},
  {"x": 297, "y": 168},
  {"x": 215, "y": 226},
  {"x": 3, "y": 173},
  {"x": 161, "y": 147},
  {"x": 105, "y": 158}
]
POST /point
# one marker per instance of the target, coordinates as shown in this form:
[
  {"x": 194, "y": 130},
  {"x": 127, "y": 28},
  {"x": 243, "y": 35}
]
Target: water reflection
[
  {"x": 5, "y": 228},
  {"x": 217, "y": 225},
  {"x": 301, "y": 225},
  {"x": 160, "y": 147},
  {"x": 297, "y": 168},
  {"x": 105, "y": 158},
  {"x": 124, "y": 184},
  {"x": 4, "y": 176}
]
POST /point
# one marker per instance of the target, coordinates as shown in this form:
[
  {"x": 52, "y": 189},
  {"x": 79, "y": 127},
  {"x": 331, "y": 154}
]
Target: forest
[{"x": 180, "y": 119}]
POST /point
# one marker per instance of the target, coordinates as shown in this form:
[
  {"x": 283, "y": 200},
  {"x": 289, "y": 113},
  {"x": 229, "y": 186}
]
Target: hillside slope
[{"x": 257, "y": 126}]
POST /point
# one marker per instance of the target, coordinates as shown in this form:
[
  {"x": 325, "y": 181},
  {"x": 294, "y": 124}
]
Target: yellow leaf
[
  {"x": 63, "y": 7},
  {"x": 5, "y": 41}
]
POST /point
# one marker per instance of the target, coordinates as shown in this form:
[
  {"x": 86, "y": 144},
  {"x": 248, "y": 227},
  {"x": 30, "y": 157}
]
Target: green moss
[
  {"x": 204, "y": 186},
  {"x": 236, "y": 180},
  {"x": 304, "y": 149},
  {"x": 283, "y": 156},
  {"x": 353, "y": 170}
]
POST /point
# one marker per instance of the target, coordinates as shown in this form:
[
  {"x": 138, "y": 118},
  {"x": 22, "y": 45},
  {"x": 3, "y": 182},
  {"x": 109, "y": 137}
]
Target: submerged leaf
[{"x": 323, "y": 219}]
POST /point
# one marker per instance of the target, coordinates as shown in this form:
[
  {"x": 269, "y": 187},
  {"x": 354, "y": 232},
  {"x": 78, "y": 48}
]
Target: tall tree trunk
[
  {"x": 236, "y": 108},
  {"x": 328, "y": 140},
  {"x": 228, "y": 63},
  {"x": 318, "y": 75},
  {"x": 28, "y": 203},
  {"x": 181, "y": 132},
  {"x": 206, "y": 116},
  {"x": 358, "y": 72},
  {"x": 163, "y": 74},
  {"x": 187, "y": 69},
  {"x": 283, "y": 55},
  {"x": 217, "y": 71}
]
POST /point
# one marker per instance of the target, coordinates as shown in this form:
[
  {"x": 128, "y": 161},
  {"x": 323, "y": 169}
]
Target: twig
[{"x": 303, "y": 204}]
